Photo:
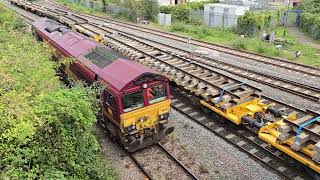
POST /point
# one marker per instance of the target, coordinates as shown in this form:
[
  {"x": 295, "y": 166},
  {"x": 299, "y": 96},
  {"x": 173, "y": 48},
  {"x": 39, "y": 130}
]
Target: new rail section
[
  {"x": 294, "y": 66},
  {"x": 243, "y": 138},
  {"x": 294, "y": 132}
]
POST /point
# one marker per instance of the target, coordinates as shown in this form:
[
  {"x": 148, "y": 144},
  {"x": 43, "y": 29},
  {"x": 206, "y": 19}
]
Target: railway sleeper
[{"x": 250, "y": 105}]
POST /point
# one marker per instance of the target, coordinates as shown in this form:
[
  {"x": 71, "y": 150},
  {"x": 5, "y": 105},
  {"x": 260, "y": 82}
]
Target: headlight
[
  {"x": 130, "y": 128},
  {"x": 164, "y": 116}
]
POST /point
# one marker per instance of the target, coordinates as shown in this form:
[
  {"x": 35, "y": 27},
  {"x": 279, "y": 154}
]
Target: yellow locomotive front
[
  {"x": 145, "y": 115},
  {"x": 136, "y": 112}
]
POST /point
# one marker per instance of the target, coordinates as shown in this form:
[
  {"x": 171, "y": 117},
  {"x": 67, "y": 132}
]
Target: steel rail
[
  {"x": 147, "y": 175},
  {"x": 193, "y": 176},
  {"x": 304, "y": 90},
  {"x": 186, "y": 72},
  {"x": 227, "y": 132},
  {"x": 221, "y": 65},
  {"x": 22, "y": 15},
  {"x": 302, "y": 87},
  {"x": 310, "y": 70}
]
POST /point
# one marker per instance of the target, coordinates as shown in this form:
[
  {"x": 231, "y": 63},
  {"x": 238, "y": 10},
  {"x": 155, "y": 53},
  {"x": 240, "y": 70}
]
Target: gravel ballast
[
  {"x": 117, "y": 158},
  {"x": 220, "y": 159}
]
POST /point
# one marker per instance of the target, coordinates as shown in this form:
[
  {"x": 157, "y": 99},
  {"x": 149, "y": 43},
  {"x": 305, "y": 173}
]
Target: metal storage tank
[{"x": 223, "y": 15}]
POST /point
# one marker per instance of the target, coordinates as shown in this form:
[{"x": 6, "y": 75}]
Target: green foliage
[
  {"x": 311, "y": 6},
  {"x": 239, "y": 43},
  {"x": 310, "y": 23},
  {"x": 251, "y": 23},
  {"x": 45, "y": 129},
  {"x": 183, "y": 12},
  {"x": 310, "y": 19},
  {"x": 150, "y": 9}
]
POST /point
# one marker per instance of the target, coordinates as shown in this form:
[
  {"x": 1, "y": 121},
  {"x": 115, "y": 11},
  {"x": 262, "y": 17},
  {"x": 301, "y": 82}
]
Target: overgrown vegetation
[
  {"x": 254, "y": 22},
  {"x": 129, "y": 10},
  {"x": 45, "y": 128},
  {"x": 183, "y": 12},
  {"x": 310, "y": 19}
]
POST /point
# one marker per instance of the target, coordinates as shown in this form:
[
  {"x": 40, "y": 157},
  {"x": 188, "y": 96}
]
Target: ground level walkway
[{"x": 302, "y": 38}]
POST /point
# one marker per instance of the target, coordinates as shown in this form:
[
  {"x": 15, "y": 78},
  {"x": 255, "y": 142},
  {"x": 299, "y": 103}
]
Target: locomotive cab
[{"x": 141, "y": 112}]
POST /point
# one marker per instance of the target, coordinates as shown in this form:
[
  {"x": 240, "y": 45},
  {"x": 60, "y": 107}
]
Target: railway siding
[
  {"x": 303, "y": 69},
  {"x": 221, "y": 93}
]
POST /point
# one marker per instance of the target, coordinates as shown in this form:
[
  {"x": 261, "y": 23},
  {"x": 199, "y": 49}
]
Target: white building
[
  {"x": 223, "y": 15},
  {"x": 170, "y": 2}
]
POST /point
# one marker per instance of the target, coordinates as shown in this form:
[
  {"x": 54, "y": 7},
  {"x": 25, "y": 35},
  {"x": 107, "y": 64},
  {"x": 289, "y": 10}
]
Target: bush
[
  {"x": 183, "y": 12},
  {"x": 310, "y": 19},
  {"x": 150, "y": 9},
  {"x": 46, "y": 129},
  {"x": 251, "y": 23}
]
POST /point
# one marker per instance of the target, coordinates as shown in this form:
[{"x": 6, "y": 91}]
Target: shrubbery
[
  {"x": 310, "y": 23},
  {"x": 310, "y": 19},
  {"x": 45, "y": 128},
  {"x": 251, "y": 23},
  {"x": 183, "y": 12}
]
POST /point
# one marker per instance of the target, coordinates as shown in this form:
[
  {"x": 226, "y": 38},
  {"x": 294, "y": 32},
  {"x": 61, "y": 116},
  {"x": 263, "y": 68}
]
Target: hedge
[
  {"x": 183, "y": 12},
  {"x": 310, "y": 23},
  {"x": 251, "y": 23},
  {"x": 45, "y": 128},
  {"x": 310, "y": 18}
]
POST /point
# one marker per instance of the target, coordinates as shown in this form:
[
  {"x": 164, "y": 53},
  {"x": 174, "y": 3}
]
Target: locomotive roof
[{"x": 109, "y": 65}]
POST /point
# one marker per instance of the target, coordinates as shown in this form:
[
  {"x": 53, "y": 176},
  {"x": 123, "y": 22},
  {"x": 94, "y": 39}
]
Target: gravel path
[
  {"x": 302, "y": 38},
  {"x": 219, "y": 159}
]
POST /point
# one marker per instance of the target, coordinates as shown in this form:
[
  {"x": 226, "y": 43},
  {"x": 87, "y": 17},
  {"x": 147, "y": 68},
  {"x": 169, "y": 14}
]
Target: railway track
[
  {"x": 22, "y": 13},
  {"x": 194, "y": 76},
  {"x": 312, "y": 93},
  {"x": 171, "y": 161},
  {"x": 142, "y": 169},
  {"x": 242, "y": 138},
  {"x": 306, "y": 70},
  {"x": 302, "y": 90},
  {"x": 158, "y": 151}
]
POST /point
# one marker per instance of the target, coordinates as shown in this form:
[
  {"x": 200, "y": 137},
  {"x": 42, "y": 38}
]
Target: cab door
[{"x": 109, "y": 107}]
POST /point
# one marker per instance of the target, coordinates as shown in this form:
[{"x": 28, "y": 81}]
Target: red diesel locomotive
[{"x": 135, "y": 102}]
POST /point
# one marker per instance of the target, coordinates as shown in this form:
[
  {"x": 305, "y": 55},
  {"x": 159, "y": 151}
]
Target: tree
[
  {"x": 150, "y": 9},
  {"x": 104, "y": 5}
]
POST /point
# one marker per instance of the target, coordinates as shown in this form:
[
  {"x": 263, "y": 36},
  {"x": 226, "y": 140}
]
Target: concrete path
[{"x": 302, "y": 38}]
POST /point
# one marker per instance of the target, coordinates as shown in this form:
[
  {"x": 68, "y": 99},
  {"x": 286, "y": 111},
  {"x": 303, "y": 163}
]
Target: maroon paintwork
[
  {"x": 119, "y": 76},
  {"x": 76, "y": 45}
]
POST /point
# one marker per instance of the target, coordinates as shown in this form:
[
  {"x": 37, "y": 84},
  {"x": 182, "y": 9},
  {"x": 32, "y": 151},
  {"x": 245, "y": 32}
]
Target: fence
[{"x": 214, "y": 19}]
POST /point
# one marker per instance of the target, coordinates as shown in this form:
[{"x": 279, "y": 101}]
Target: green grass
[
  {"x": 227, "y": 37},
  {"x": 310, "y": 56}
]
